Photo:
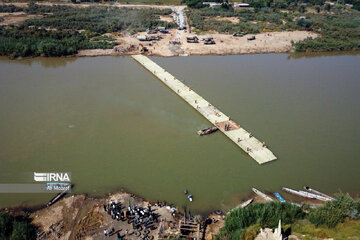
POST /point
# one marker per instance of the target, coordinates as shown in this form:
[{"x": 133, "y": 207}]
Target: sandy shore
[
  {"x": 83, "y": 217},
  {"x": 274, "y": 42}
]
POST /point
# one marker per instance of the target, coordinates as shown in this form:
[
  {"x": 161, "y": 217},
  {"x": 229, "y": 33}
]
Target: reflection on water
[
  {"x": 43, "y": 61},
  {"x": 113, "y": 125},
  {"x": 299, "y": 55}
]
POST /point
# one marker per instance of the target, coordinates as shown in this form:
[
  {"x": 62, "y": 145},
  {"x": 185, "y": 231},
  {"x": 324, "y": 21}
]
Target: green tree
[
  {"x": 335, "y": 212},
  {"x": 302, "y": 8},
  {"x": 15, "y": 228},
  {"x": 327, "y": 7}
]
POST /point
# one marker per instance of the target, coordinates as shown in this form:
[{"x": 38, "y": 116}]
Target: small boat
[
  {"x": 190, "y": 198},
  {"x": 251, "y": 38},
  {"x": 247, "y": 203},
  {"x": 242, "y": 205},
  {"x": 317, "y": 192},
  {"x": 279, "y": 197},
  {"x": 207, "y": 131},
  {"x": 57, "y": 197},
  {"x": 315, "y": 196},
  {"x": 306, "y": 194},
  {"x": 263, "y": 195}
]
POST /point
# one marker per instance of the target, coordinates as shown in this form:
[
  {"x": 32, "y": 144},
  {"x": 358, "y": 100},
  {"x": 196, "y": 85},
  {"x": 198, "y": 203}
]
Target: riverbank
[
  {"x": 84, "y": 217},
  {"x": 116, "y": 31},
  {"x": 225, "y": 44}
]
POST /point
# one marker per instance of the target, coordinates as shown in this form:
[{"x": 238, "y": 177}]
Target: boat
[
  {"x": 279, "y": 197},
  {"x": 315, "y": 196},
  {"x": 318, "y": 193},
  {"x": 251, "y": 38},
  {"x": 262, "y": 195},
  {"x": 247, "y": 203},
  {"x": 57, "y": 197},
  {"x": 190, "y": 198},
  {"x": 242, "y": 205},
  {"x": 306, "y": 194},
  {"x": 207, "y": 131}
]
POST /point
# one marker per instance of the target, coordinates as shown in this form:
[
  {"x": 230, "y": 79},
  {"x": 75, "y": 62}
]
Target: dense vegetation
[
  {"x": 335, "y": 212},
  {"x": 64, "y": 30},
  {"x": 15, "y": 228},
  {"x": 10, "y": 8},
  {"x": 241, "y": 223},
  {"x": 98, "y": 19},
  {"x": 22, "y": 42},
  {"x": 339, "y": 32},
  {"x": 262, "y": 214}
]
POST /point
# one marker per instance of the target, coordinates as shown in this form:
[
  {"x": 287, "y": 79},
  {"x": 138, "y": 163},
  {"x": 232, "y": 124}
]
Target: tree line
[{"x": 69, "y": 29}]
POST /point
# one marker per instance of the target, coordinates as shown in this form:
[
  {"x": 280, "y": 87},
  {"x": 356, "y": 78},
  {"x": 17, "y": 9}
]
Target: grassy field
[{"x": 347, "y": 230}]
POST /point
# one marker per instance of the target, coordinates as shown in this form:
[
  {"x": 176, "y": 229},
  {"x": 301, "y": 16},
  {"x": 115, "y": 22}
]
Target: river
[{"x": 113, "y": 125}]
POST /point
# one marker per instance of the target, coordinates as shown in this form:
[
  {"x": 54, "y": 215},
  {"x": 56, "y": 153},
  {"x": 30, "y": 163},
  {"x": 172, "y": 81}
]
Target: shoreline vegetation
[
  {"x": 94, "y": 28},
  {"x": 82, "y": 215}
]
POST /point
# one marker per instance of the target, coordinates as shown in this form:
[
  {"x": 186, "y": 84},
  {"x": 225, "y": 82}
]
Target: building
[
  {"x": 241, "y": 5},
  {"x": 212, "y": 4}
]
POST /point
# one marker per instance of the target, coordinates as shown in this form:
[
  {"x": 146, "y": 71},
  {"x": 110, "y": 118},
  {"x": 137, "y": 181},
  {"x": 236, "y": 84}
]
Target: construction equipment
[{"x": 192, "y": 39}]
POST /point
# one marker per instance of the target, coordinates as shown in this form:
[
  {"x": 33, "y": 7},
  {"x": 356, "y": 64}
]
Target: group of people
[
  {"x": 140, "y": 218},
  {"x": 114, "y": 209},
  {"x": 227, "y": 127},
  {"x": 108, "y": 233}
]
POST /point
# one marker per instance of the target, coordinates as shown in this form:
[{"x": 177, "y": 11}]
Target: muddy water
[{"x": 113, "y": 125}]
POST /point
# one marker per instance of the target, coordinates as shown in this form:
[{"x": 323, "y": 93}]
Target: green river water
[{"x": 113, "y": 125}]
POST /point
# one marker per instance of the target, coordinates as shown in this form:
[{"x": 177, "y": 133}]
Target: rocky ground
[{"x": 81, "y": 217}]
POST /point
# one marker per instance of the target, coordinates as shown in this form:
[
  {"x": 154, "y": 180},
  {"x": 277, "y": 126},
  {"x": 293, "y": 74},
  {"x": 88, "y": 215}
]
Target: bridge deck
[{"x": 237, "y": 134}]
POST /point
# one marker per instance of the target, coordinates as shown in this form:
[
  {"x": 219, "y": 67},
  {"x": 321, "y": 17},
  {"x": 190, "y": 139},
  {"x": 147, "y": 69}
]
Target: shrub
[
  {"x": 335, "y": 212},
  {"x": 263, "y": 214},
  {"x": 15, "y": 228}
]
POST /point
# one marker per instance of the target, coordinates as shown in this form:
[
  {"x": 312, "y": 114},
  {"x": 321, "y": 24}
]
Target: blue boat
[{"x": 279, "y": 197}]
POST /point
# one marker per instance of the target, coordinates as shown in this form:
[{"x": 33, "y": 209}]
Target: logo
[
  {"x": 52, "y": 177},
  {"x": 58, "y": 187}
]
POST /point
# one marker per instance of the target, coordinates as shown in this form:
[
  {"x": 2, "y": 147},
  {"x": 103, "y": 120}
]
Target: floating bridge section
[{"x": 256, "y": 149}]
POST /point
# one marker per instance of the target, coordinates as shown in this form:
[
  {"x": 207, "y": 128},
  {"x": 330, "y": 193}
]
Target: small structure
[
  {"x": 268, "y": 234},
  {"x": 212, "y": 4},
  {"x": 330, "y": 3},
  {"x": 192, "y": 39},
  {"x": 241, "y": 5},
  {"x": 208, "y": 40},
  {"x": 175, "y": 42},
  {"x": 152, "y": 31},
  {"x": 142, "y": 38},
  {"x": 238, "y": 34}
]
